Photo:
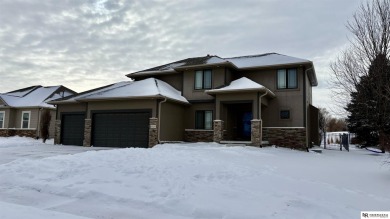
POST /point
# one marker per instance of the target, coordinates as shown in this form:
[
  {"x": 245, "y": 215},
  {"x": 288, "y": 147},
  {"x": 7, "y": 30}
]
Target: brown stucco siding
[
  {"x": 218, "y": 80},
  {"x": 189, "y": 118},
  {"x": 172, "y": 122},
  {"x": 34, "y": 117},
  {"x": 175, "y": 80},
  {"x": 123, "y": 105},
  {"x": 286, "y": 99},
  {"x": 70, "y": 108}
]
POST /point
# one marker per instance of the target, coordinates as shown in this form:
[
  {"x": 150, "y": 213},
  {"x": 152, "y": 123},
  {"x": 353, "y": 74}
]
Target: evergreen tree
[{"x": 370, "y": 106}]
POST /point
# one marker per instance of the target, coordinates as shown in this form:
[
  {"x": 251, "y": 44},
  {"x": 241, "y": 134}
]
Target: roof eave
[
  {"x": 157, "y": 96},
  {"x": 180, "y": 68},
  {"x": 275, "y": 65},
  {"x": 265, "y": 90},
  {"x": 149, "y": 73}
]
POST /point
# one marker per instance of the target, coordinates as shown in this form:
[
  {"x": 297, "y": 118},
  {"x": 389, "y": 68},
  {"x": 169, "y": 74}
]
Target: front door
[{"x": 246, "y": 125}]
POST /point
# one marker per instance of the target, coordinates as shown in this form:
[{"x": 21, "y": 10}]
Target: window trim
[
  {"x": 204, "y": 119},
  {"x": 2, "y": 125},
  {"x": 29, "y": 119},
  {"x": 287, "y": 79},
  {"x": 203, "y": 79}
]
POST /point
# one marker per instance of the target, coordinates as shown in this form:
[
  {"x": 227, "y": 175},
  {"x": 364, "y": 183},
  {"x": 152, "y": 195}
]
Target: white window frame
[
  {"x": 29, "y": 119},
  {"x": 2, "y": 112}
]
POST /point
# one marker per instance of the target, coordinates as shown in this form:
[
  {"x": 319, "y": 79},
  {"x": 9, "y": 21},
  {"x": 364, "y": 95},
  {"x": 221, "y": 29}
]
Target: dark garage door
[
  {"x": 123, "y": 129},
  {"x": 72, "y": 129}
]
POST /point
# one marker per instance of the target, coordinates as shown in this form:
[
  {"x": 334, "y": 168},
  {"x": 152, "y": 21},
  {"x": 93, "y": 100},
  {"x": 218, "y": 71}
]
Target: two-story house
[{"x": 251, "y": 99}]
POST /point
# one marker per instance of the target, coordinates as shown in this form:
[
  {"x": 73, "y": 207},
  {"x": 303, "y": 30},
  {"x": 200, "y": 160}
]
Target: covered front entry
[
  {"x": 121, "y": 129},
  {"x": 237, "y": 117},
  {"x": 239, "y": 110}
]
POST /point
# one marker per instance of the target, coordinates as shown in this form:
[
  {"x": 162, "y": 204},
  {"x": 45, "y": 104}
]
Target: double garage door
[{"x": 115, "y": 129}]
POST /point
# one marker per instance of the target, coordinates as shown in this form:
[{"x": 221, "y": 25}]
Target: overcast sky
[{"x": 86, "y": 44}]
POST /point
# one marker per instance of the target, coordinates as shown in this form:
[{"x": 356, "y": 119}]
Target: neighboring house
[
  {"x": 21, "y": 110},
  {"x": 251, "y": 99}
]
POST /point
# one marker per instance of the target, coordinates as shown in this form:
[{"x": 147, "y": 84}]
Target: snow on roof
[
  {"x": 268, "y": 59},
  {"x": 195, "y": 61},
  {"x": 241, "y": 84},
  {"x": 149, "y": 87},
  {"x": 22, "y": 92},
  {"x": 73, "y": 98},
  {"x": 262, "y": 60},
  {"x": 37, "y": 96}
]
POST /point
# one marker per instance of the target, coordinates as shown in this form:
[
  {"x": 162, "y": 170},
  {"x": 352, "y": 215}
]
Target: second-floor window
[
  {"x": 203, "y": 79},
  {"x": 26, "y": 119},
  {"x": 287, "y": 78}
]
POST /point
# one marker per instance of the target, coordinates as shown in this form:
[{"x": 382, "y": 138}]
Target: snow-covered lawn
[{"x": 188, "y": 181}]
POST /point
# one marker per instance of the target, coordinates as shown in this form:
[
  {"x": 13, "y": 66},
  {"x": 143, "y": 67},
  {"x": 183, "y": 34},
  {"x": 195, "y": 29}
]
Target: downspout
[
  {"x": 159, "y": 120},
  {"x": 259, "y": 109},
  {"x": 259, "y": 117},
  {"x": 305, "y": 108}
]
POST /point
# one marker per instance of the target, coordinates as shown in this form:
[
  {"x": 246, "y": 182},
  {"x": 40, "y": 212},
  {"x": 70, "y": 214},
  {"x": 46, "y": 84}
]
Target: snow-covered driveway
[
  {"x": 192, "y": 181},
  {"x": 14, "y": 148}
]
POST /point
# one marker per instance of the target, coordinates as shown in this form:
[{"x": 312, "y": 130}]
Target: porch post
[
  {"x": 218, "y": 131},
  {"x": 87, "y": 133},
  {"x": 256, "y": 132},
  {"x": 57, "y": 132}
]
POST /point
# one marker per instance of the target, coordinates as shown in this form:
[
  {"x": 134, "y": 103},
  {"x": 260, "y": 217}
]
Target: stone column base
[
  {"x": 153, "y": 132},
  {"x": 87, "y": 133},
  {"x": 256, "y": 132},
  {"x": 57, "y": 132},
  {"x": 218, "y": 131}
]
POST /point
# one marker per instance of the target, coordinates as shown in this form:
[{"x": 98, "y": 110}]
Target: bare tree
[
  {"x": 370, "y": 28},
  {"x": 45, "y": 124},
  {"x": 323, "y": 119}
]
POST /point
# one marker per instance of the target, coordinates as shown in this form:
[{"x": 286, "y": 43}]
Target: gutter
[{"x": 159, "y": 120}]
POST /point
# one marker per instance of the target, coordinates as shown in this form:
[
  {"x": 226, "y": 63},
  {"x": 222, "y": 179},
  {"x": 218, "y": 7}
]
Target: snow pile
[{"x": 196, "y": 181}]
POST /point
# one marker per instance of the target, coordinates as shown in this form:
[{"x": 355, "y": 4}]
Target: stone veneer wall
[
  {"x": 153, "y": 132},
  {"x": 87, "y": 133},
  {"x": 218, "y": 133},
  {"x": 256, "y": 137},
  {"x": 32, "y": 133},
  {"x": 286, "y": 137},
  {"x": 193, "y": 135},
  {"x": 57, "y": 132}
]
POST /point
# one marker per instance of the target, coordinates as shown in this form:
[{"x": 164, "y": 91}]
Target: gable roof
[
  {"x": 34, "y": 96},
  {"x": 239, "y": 63},
  {"x": 147, "y": 88},
  {"x": 242, "y": 85}
]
